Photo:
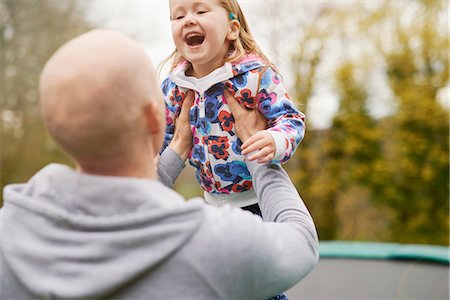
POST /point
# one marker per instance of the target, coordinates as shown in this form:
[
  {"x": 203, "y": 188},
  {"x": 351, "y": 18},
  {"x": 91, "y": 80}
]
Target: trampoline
[{"x": 355, "y": 270}]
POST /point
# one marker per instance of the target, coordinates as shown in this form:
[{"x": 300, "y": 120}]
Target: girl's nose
[{"x": 189, "y": 21}]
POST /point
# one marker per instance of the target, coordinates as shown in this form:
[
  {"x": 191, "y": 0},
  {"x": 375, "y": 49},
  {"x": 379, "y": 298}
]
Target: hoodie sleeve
[
  {"x": 252, "y": 259},
  {"x": 289, "y": 246},
  {"x": 170, "y": 166},
  {"x": 286, "y": 122}
]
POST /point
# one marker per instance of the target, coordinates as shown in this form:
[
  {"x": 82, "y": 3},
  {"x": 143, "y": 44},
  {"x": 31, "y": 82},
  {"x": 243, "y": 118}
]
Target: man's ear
[
  {"x": 233, "y": 32},
  {"x": 152, "y": 117}
]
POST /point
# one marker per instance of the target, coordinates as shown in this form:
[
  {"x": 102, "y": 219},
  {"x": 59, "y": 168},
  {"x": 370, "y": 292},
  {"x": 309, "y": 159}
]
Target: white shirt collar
[{"x": 204, "y": 83}]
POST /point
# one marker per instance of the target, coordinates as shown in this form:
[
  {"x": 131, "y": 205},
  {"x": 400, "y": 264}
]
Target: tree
[
  {"x": 393, "y": 168},
  {"x": 315, "y": 186},
  {"x": 30, "y": 32},
  {"x": 354, "y": 146},
  {"x": 416, "y": 178}
]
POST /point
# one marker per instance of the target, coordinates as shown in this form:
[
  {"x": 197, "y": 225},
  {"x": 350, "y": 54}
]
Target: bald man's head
[{"x": 94, "y": 93}]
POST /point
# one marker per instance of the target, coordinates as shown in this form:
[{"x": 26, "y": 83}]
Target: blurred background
[{"x": 372, "y": 78}]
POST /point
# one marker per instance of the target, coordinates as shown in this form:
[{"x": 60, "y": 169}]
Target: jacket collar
[
  {"x": 228, "y": 70},
  {"x": 247, "y": 63}
]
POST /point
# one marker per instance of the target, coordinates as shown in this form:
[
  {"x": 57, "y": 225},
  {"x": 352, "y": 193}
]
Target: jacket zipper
[{"x": 201, "y": 106}]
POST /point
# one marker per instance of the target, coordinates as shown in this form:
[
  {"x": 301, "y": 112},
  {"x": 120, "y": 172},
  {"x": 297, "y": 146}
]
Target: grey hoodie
[{"x": 68, "y": 235}]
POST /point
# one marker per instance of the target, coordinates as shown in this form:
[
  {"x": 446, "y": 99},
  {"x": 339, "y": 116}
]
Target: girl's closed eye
[
  {"x": 201, "y": 12},
  {"x": 178, "y": 14}
]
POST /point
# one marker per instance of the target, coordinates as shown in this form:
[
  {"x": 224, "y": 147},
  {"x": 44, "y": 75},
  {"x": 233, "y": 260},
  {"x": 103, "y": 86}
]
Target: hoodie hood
[{"x": 64, "y": 229}]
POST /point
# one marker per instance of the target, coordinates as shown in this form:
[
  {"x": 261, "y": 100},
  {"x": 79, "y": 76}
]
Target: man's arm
[
  {"x": 289, "y": 243},
  {"x": 268, "y": 257},
  {"x": 251, "y": 259}
]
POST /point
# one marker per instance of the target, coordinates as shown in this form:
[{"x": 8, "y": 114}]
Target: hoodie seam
[{"x": 84, "y": 221}]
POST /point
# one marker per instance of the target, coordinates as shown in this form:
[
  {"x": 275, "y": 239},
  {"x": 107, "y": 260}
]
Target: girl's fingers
[
  {"x": 259, "y": 144},
  {"x": 266, "y": 159},
  {"x": 251, "y": 140},
  {"x": 261, "y": 154},
  {"x": 259, "y": 136}
]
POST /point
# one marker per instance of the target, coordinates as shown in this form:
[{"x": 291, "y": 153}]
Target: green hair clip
[{"x": 233, "y": 16}]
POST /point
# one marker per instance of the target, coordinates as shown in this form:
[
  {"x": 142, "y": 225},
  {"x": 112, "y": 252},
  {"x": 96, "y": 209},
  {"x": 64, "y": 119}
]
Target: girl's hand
[
  {"x": 182, "y": 138},
  {"x": 263, "y": 146}
]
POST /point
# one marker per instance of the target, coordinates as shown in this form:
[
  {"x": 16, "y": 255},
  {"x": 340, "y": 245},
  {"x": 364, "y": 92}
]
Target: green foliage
[
  {"x": 383, "y": 179},
  {"x": 418, "y": 180},
  {"x": 30, "y": 32},
  {"x": 354, "y": 141}
]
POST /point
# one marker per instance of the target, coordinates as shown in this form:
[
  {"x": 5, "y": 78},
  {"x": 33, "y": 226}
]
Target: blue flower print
[
  {"x": 249, "y": 66},
  {"x": 288, "y": 109},
  {"x": 198, "y": 153},
  {"x": 167, "y": 85},
  {"x": 215, "y": 91},
  {"x": 212, "y": 107},
  {"x": 266, "y": 104},
  {"x": 236, "y": 146},
  {"x": 193, "y": 116},
  {"x": 266, "y": 79},
  {"x": 204, "y": 126},
  {"x": 275, "y": 110},
  {"x": 233, "y": 171},
  {"x": 240, "y": 81},
  {"x": 175, "y": 109}
]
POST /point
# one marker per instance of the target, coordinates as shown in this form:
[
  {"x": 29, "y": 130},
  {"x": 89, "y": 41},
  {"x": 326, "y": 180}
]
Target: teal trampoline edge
[{"x": 392, "y": 251}]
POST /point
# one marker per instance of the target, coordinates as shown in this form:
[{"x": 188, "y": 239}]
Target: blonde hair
[{"x": 244, "y": 44}]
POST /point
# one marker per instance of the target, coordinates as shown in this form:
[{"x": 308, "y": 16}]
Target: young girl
[{"x": 215, "y": 52}]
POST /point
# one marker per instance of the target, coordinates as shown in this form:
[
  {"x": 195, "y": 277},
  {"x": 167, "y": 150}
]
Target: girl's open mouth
[{"x": 194, "y": 39}]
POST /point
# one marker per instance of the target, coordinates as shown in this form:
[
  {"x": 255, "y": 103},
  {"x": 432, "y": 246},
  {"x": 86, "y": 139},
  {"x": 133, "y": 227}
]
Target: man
[{"x": 110, "y": 229}]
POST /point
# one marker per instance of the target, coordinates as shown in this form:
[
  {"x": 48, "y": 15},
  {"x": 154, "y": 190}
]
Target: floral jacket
[{"x": 216, "y": 153}]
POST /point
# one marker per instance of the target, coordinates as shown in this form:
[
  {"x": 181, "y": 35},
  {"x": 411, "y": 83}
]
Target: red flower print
[
  {"x": 226, "y": 121},
  {"x": 218, "y": 147},
  {"x": 245, "y": 186},
  {"x": 246, "y": 99},
  {"x": 177, "y": 97}
]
